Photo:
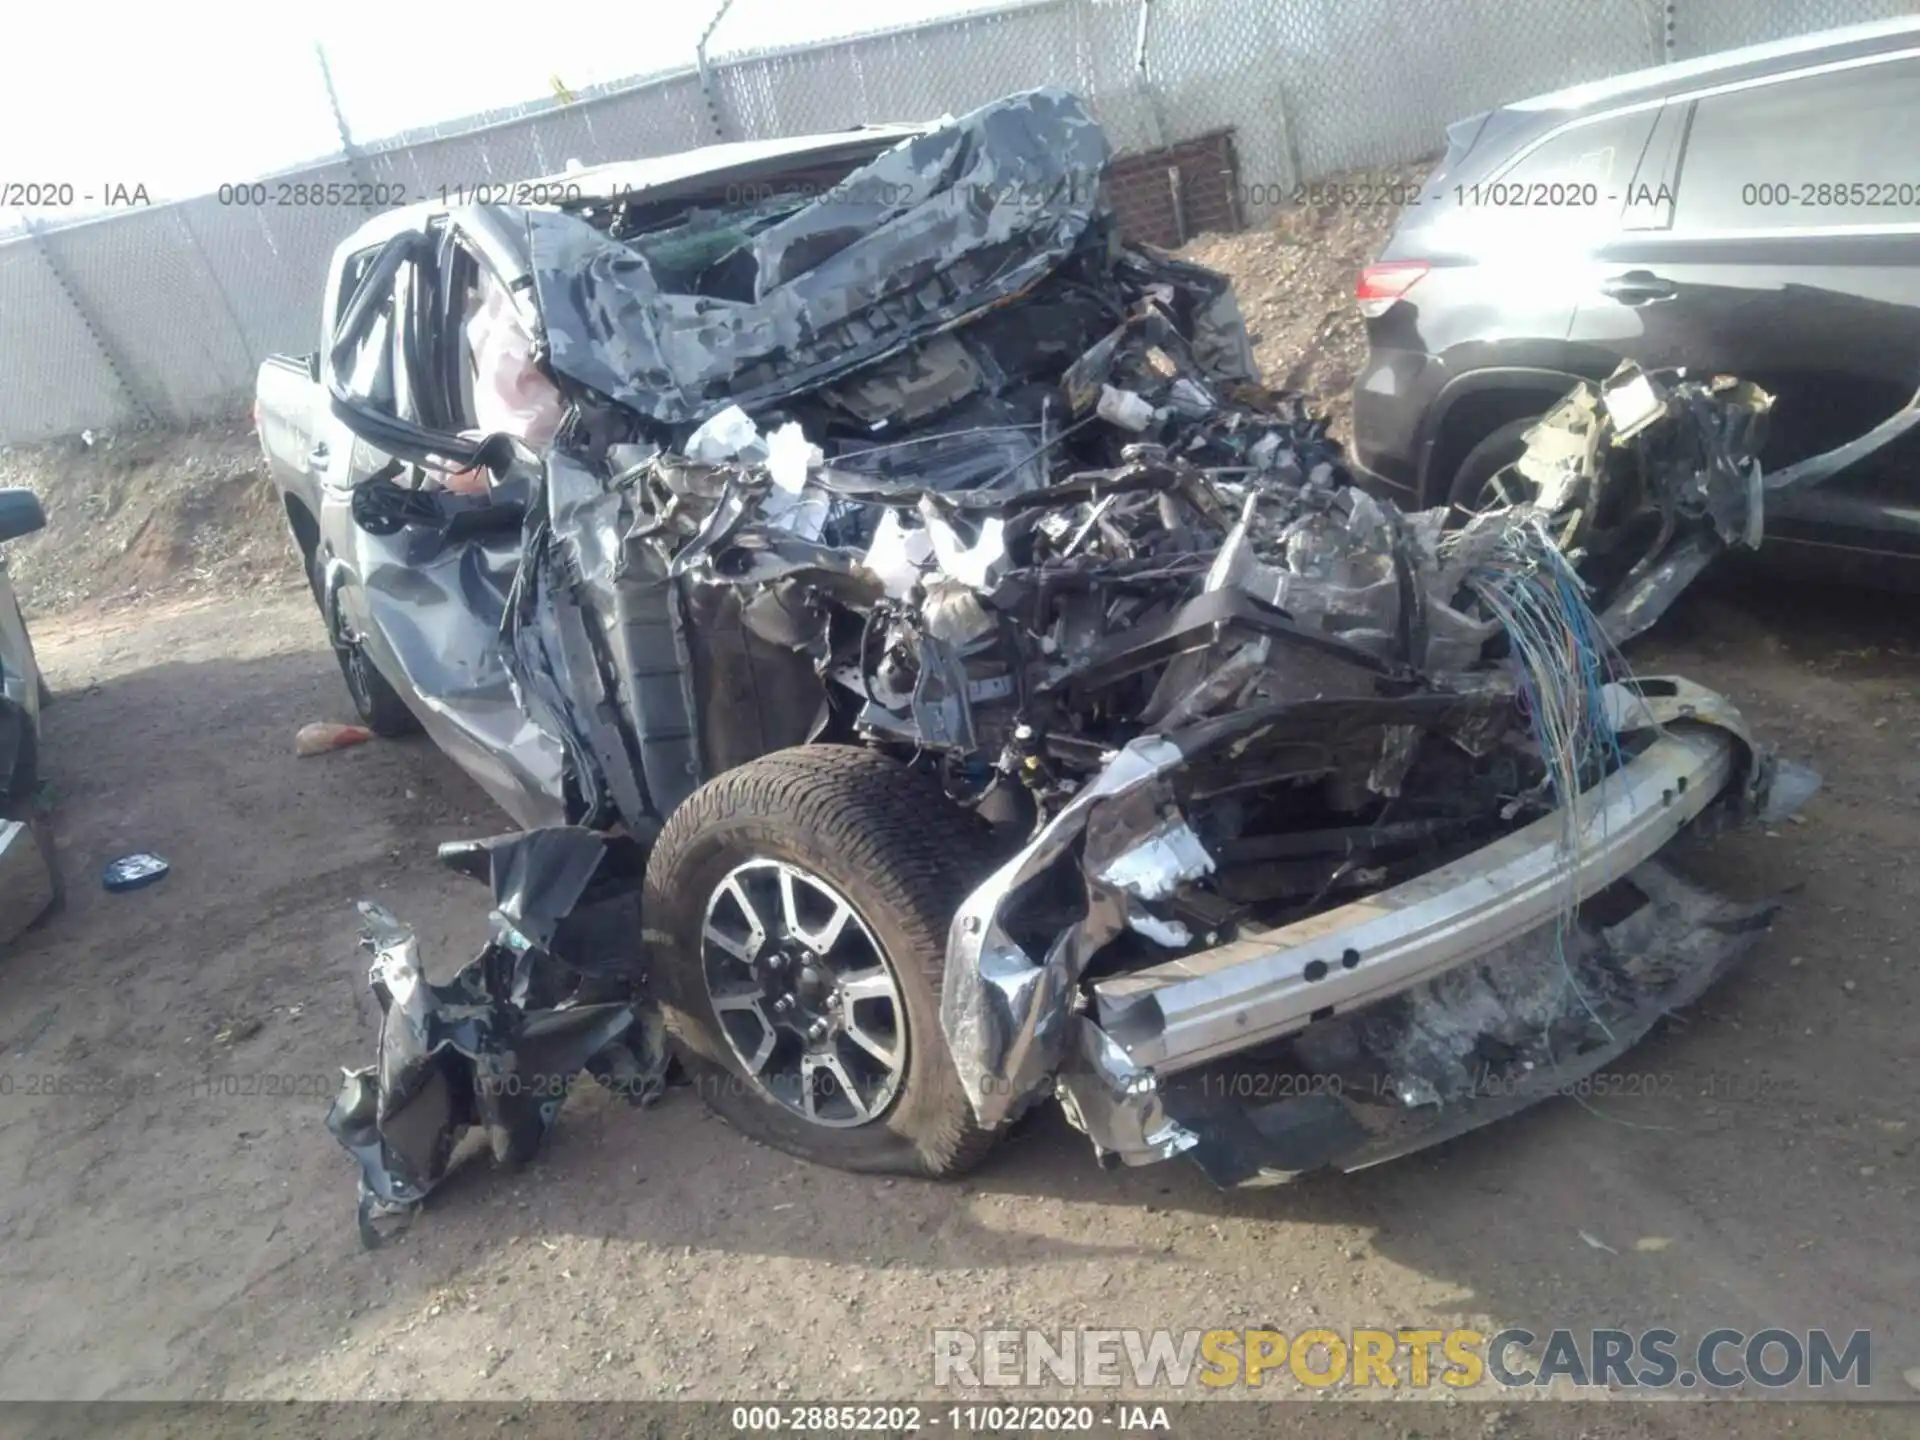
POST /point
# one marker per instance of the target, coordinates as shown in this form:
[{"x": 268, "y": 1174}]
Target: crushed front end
[{"x": 1339, "y": 994}]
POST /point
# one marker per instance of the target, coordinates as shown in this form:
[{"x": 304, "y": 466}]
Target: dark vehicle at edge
[
  {"x": 29, "y": 879},
  {"x": 1750, "y": 213}
]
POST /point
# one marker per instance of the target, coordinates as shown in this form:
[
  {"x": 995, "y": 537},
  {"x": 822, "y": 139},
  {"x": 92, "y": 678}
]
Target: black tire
[
  {"x": 22, "y": 789},
  {"x": 23, "y": 802},
  {"x": 1468, "y": 492},
  {"x": 379, "y": 706},
  {"x": 903, "y": 856}
]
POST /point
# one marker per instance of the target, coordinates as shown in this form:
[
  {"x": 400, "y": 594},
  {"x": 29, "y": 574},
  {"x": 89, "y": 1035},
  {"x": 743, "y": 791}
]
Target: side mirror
[{"x": 20, "y": 514}]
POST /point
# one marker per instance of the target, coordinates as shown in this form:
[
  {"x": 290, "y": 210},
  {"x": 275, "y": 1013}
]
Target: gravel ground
[
  {"x": 175, "y": 1222},
  {"x": 1295, "y": 281}
]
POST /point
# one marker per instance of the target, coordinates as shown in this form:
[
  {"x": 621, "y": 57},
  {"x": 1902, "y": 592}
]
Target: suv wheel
[
  {"x": 1475, "y": 487},
  {"x": 379, "y": 705},
  {"x": 797, "y": 911}
]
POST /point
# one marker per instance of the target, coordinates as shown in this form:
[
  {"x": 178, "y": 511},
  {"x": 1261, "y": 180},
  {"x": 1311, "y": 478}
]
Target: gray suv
[{"x": 1752, "y": 213}]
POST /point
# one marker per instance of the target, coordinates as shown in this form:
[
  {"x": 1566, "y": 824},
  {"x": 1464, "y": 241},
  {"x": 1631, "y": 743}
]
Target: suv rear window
[
  {"x": 1816, "y": 150},
  {"x": 1574, "y": 180},
  {"x": 1600, "y": 154}
]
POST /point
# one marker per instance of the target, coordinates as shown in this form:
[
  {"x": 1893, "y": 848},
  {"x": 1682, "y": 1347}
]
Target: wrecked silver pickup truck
[{"x": 936, "y": 675}]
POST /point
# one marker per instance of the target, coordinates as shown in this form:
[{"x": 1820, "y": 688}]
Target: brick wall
[{"x": 1143, "y": 190}]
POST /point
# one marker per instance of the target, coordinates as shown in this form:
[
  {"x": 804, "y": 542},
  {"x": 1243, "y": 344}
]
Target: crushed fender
[{"x": 499, "y": 1046}]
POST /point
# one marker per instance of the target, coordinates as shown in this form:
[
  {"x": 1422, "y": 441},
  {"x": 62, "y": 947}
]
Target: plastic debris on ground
[
  {"x": 134, "y": 872},
  {"x": 324, "y": 735}
]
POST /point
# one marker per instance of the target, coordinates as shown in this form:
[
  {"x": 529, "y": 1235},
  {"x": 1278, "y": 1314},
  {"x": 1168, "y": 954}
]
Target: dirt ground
[{"x": 176, "y": 1222}]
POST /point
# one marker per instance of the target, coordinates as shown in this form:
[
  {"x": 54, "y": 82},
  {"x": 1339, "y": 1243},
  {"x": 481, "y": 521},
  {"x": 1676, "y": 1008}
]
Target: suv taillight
[{"x": 1386, "y": 281}]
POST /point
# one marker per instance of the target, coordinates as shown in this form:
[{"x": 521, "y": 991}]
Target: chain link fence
[
  {"x": 1701, "y": 29},
  {"x": 165, "y": 313}
]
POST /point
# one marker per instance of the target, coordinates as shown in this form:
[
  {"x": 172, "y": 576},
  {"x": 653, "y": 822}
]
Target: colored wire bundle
[
  {"x": 1564, "y": 662},
  {"x": 1563, "y": 658}
]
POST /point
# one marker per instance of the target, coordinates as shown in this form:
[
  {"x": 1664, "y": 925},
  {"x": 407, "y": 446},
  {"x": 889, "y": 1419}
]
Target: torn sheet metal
[
  {"x": 932, "y": 231},
  {"x": 1468, "y": 1043},
  {"x": 1007, "y": 1015},
  {"x": 1117, "y": 1104},
  {"x": 435, "y": 571},
  {"x": 499, "y": 1045},
  {"x": 1007, "y": 1008},
  {"x": 1153, "y": 866}
]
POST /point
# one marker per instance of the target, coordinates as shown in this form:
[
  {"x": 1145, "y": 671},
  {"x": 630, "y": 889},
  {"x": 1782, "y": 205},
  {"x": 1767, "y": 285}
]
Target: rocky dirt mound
[
  {"x": 1295, "y": 277},
  {"x": 148, "y": 512}
]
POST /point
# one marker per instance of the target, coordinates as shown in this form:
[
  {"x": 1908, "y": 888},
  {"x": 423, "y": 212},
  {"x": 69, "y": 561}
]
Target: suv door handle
[
  {"x": 317, "y": 457},
  {"x": 1637, "y": 287}
]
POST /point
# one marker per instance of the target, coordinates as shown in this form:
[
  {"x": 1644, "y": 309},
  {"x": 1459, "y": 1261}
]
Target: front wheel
[{"x": 797, "y": 911}]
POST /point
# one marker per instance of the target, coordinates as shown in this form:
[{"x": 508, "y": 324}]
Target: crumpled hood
[{"x": 936, "y": 229}]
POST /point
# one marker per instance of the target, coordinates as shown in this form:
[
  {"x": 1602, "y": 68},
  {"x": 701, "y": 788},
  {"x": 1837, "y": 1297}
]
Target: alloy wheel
[{"x": 804, "y": 994}]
